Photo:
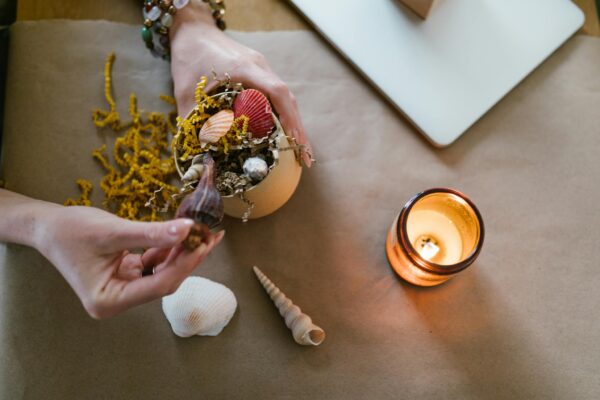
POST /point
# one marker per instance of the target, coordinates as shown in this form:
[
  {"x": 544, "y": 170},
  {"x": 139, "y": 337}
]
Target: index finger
[
  {"x": 166, "y": 280},
  {"x": 284, "y": 102}
]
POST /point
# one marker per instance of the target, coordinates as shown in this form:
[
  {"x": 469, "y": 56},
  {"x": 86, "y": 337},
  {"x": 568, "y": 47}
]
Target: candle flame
[{"x": 429, "y": 250}]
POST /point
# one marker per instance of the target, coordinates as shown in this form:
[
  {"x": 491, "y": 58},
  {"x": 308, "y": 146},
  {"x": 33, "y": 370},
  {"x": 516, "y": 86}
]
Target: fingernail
[
  {"x": 175, "y": 225},
  {"x": 307, "y": 160},
  {"x": 173, "y": 229},
  {"x": 202, "y": 248}
]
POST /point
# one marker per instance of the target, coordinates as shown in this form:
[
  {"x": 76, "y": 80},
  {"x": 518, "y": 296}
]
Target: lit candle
[{"x": 438, "y": 233}]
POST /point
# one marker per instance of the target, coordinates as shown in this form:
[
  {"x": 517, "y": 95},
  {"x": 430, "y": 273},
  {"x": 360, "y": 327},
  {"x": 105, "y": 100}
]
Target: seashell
[
  {"x": 216, "y": 127},
  {"x": 256, "y": 168},
  {"x": 204, "y": 205},
  {"x": 199, "y": 307},
  {"x": 193, "y": 173},
  {"x": 198, "y": 159},
  {"x": 302, "y": 327},
  {"x": 256, "y": 107}
]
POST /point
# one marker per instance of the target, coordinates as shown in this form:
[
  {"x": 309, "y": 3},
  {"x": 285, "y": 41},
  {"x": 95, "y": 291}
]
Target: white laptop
[{"x": 445, "y": 72}]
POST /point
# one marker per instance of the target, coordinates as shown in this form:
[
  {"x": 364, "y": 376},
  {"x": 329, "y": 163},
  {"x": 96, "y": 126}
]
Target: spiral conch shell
[
  {"x": 216, "y": 127},
  {"x": 302, "y": 327},
  {"x": 199, "y": 307},
  {"x": 204, "y": 205}
]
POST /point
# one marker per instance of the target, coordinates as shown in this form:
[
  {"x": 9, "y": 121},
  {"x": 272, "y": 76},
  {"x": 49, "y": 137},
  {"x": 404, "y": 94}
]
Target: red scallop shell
[{"x": 256, "y": 107}]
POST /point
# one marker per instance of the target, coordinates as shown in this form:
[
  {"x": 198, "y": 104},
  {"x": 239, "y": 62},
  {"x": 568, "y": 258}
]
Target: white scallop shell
[{"x": 199, "y": 307}]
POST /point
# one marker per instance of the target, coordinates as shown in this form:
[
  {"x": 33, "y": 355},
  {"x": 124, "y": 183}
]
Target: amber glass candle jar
[{"x": 438, "y": 233}]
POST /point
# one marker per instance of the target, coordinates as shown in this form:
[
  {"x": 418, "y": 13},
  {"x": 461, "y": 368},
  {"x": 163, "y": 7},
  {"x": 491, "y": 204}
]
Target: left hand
[{"x": 198, "y": 48}]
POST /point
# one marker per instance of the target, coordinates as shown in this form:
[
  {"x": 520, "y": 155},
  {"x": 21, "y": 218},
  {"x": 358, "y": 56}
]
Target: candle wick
[{"x": 429, "y": 249}]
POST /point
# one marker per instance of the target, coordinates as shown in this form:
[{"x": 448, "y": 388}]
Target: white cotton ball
[{"x": 199, "y": 307}]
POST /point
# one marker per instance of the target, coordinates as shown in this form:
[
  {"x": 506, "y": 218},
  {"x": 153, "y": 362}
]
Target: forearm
[{"x": 20, "y": 218}]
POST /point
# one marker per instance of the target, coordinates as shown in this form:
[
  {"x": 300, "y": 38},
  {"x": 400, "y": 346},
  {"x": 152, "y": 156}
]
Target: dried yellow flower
[{"x": 136, "y": 186}]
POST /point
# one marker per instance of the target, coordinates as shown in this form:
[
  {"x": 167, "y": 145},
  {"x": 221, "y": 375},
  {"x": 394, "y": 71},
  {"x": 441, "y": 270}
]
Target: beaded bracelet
[{"x": 158, "y": 16}]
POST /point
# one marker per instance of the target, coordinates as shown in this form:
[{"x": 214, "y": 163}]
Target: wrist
[
  {"x": 24, "y": 219},
  {"x": 197, "y": 14},
  {"x": 43, "y": 216}
]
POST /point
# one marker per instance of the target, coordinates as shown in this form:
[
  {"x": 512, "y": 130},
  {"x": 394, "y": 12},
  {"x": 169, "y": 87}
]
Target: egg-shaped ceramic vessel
[{"x": 270, "y": 194}]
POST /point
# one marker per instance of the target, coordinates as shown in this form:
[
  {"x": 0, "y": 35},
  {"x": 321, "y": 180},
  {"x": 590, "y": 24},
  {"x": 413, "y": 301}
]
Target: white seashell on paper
[
  {"x": 199, "y": 307},
  {"x": 303, "y": 330}
]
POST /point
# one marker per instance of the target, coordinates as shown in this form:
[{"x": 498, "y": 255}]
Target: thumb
[{"x": 143, "y": 235}]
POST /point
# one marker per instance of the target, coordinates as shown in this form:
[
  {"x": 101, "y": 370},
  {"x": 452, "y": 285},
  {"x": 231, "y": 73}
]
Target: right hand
[{"x": 92, "y": 250}]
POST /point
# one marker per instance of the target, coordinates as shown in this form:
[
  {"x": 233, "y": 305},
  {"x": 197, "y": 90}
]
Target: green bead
[{"x": 146, "y": 34}]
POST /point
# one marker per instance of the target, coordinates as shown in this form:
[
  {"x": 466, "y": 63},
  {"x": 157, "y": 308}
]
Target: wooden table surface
[{"x": 245, "y": 15}]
